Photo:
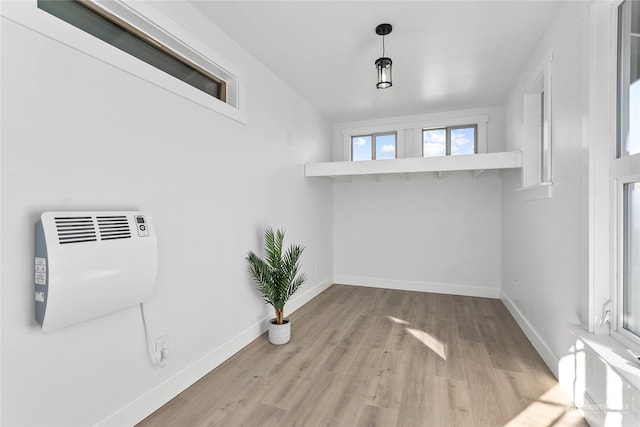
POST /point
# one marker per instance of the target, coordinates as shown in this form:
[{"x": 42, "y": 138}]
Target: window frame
[
  {"x": 623, "y": 335},
  {"x": 448, "y": 130},
  {"x": 623, "y": 46},
  {"x": 408, "y": 131},
  {"x": 624, "y": 169},
  {"x": 374, "y": 137},
  {"x": 120, "y": 28},
  {"x": 537, "y": 163},
  {"x": 146, "y": 16}
]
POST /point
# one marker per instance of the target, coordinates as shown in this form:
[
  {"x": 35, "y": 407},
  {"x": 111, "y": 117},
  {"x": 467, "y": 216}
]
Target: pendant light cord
[{"x": 383, "y": 47}]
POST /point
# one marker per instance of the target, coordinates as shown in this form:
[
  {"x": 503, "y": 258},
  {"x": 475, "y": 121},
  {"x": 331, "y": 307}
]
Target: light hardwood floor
[{"x": 376, "y": 357}]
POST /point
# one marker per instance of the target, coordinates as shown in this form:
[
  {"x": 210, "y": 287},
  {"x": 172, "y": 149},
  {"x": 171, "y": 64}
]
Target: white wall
[
  {"x": 544, "y": 240},
  {"x": 425, "y": 233},
  {"x": 78, "y": 133}
]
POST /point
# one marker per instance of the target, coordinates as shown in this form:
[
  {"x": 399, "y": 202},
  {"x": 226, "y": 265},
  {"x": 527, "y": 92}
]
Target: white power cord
[
  {"x": 150, "y": 341},
  {"x": 607, "y": 307}
]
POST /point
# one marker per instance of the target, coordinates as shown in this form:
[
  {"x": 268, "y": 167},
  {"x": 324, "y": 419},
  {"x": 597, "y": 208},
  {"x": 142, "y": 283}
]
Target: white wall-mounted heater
[{"x": 91, "y": 263}]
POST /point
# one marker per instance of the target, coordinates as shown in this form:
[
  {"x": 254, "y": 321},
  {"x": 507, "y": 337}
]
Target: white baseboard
[
  {"x": 408, "y": 285},
  {"x": 147, "y": 403},
  {"x": 550, "y": 359}
]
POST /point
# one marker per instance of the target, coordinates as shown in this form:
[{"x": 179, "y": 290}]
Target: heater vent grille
[
  {"x": 114, "y": 227},
  {"x": 78, "y": 229},
  {"x": 75, "y": 229}
]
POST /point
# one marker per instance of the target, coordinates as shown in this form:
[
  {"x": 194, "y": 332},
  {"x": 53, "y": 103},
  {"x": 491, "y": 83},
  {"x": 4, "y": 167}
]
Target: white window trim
[
  {"x": 143, "y": 15},
  {"x": 602, "y": 146},
  {"x": 618, "y": 332},
  {"x": 534, "y": 155}
]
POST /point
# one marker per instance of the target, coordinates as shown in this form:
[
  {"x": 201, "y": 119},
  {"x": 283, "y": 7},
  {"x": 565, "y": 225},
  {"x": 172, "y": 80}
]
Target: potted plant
[{"x": 278, "y": 279}]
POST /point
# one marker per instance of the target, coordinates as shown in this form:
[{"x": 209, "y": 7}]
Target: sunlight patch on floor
[
  {"x": 428, "y": 340},
  {"x": 434, "y": 345},
  {"x": 553, "y": 408},
  {"x": 396, "y": 320}
]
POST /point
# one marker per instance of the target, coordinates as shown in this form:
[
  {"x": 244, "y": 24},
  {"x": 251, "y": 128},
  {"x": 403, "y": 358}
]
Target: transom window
[
  {"x": 450, "y": 141},
  {"x": 91, "y": 18},
  {"x": 377, "y": 146}
]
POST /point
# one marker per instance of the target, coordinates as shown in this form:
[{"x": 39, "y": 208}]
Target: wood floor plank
[
  {"x": 379, "y": 357},
  {"x": 259, "y": 415},
  {"x": 176, "y": 412},
  {"x": 347, "y": 402},
  {"x": 459, "y": 403},
  {"x": 418, "y": 387},
  {"x": 380, "y": 331},
  {"x": 464, "y": 310},
  {"x": 373, "y": 416},
  {"x": 485, "y": 408},
  {"x": 453, "y": 364},
  {"x": 386, "y": 381},
  {"x": 308, "y": 407}
]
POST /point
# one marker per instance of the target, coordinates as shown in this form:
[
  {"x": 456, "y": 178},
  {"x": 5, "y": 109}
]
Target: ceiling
[{"x": 447, "y": 55}]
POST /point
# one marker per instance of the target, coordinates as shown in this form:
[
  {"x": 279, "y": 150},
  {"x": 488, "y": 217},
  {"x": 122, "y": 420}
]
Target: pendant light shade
[
  {"x": 383, "y": 64},
  {"x": 384, "y": 72}
]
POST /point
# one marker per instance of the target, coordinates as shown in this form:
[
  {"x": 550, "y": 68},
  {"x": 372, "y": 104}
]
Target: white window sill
[
  {"x": 613, "y": 353},
  {"x": 543, "y": 190}
]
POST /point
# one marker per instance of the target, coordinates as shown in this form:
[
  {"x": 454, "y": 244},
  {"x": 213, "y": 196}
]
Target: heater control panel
[{"x": 142, "y": 226}]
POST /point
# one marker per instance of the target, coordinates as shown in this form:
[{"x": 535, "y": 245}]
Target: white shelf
[{"x": 477, "y": 163}]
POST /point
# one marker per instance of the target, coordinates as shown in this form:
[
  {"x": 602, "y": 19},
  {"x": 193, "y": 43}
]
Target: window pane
[
  {"x": 633, "y": 141},
  {"x": 434, "y": 142},
  {"x": 385, "y": 147},
  {"x": 631, "y": 282},
  {"x": 361, "y": 148},
  {"x": 463, "y": 141},
  {"x": 629, "y": 84}
]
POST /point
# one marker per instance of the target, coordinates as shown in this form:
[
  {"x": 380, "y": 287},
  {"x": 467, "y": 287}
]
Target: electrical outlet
[{"x": 515, "y": 284}]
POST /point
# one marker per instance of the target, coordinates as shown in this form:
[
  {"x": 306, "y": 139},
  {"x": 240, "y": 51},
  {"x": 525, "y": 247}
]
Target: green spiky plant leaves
[{"x": 277, "y": 275}]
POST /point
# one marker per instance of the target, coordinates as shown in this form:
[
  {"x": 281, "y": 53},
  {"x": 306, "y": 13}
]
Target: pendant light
[{"x": 383, "y": 64}]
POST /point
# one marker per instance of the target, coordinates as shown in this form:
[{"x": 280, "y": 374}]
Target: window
[
  {"x": 155, "y": 23},
  {"x": 628, "y": 79},
  {"x": 626, "y": 174},
  {"x": 536, "y": 138},
  {"x": 450, "y": 141},
  {"x": 428, "y": 135},
  {"x": 380, "y": 146},
  {"x": 114, "y": 30}
]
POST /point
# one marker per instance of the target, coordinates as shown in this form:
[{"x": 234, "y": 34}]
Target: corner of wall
[{"x": 550, "y": 359}]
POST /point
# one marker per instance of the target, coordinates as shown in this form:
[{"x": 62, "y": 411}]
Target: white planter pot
[{"x": 279, "y": 334}]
